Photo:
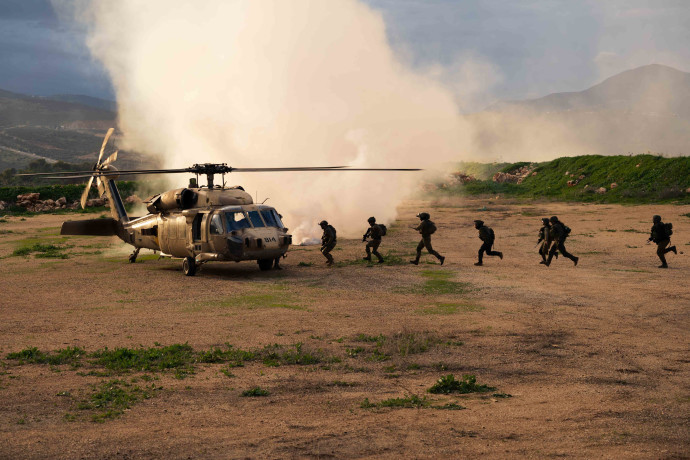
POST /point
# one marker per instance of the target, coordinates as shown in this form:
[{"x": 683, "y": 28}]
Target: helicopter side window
[
  {"x": 256, "y": 219},
  {"x": 268, "y": 218},
  {"x": 236, "y": 220},
  {"x": 216, "y": 227}
]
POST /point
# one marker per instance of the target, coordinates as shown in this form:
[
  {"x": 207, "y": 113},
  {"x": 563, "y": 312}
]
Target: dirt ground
[{"x": 586, "y": 361}]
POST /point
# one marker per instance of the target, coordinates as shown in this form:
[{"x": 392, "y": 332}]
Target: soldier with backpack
[
  {"x": 559, "y": 233},
  {"x": 545, "y": 240},
  {"x": 375, "y": 231},
  {"x": 426, "y": 228},
  {"x": 486, "y": 234},
  {"x": 328, "y": 240},
  {"x": 661, "y": 235}
]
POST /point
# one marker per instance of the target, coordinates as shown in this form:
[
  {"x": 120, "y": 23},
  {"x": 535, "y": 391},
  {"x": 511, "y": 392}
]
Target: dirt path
[{"x": 586, "y": 361}]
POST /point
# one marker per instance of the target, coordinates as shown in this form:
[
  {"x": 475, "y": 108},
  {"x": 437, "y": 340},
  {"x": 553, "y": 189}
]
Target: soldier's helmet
[
  {"x": 545, "y": 220},
  {"x": 656, "y": 219},
  {"x": 423, "y": 216},
  {"x": 371, "y": 220},
  {"x": 479, "y": 222},
  {"x": 323, "y": 223},
  {"x": 554, "y": 219}
]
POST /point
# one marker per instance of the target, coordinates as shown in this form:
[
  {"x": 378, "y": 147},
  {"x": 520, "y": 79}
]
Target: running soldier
[
  {"x": 375, "y": 231},
  {"x": 328, "y": 240},
  {"x": 426, "y": 228},
  {"x": 545, "y": 240},
  {"x": 486, "y": 234},
  {"x": 661, "y": 235},
  {"x": 559, "y": 233}
]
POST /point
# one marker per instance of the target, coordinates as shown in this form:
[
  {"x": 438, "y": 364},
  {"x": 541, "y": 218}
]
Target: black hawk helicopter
[{"x": 196, "y": 224}]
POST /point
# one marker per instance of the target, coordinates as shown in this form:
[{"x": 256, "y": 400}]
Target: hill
[
  {"x": 637, "y": 111},
  {"x": 626, "y": 179},
  {"x": 62, "y": 128}
]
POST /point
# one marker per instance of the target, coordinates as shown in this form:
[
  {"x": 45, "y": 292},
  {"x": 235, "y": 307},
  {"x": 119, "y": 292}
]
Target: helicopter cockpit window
[
  {"x": 236, "y": 220},
  {"x": 216, "y": 227},
  {"x": 267, "y": 214},
  {"x": 276, "y": 216},
  {"x": 256, "y": 219}
]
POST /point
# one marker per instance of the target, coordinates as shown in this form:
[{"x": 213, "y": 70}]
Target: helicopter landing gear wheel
[
  {"x": 265, "y": 264},
  {"x": 189, "y": 266}
]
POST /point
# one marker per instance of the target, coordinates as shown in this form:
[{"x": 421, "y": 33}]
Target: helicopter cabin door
[{"x": 197, "y": 234}]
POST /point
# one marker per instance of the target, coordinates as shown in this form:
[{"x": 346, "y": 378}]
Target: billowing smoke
[{"x": 276, "y": 83}]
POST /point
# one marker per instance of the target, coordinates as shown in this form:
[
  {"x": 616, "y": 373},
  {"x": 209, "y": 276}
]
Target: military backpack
[
  {"x": 668, "y": 229},
  {"x": 383, "y": 229},
  {"x": 432, "y": 227}
]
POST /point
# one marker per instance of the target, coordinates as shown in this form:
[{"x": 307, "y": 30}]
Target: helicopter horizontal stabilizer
[{"x": 95, "y": 227}]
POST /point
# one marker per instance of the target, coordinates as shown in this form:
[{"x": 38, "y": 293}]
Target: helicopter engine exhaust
[{"x": 181, "y": 198}]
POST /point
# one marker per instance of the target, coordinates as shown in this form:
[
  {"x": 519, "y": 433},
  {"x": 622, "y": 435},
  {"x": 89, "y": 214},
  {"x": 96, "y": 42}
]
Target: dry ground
[{"x": 594, "y": 356}]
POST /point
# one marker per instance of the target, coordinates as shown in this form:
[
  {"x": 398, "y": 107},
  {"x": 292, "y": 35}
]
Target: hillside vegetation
[{"x": 638, "y": 179}]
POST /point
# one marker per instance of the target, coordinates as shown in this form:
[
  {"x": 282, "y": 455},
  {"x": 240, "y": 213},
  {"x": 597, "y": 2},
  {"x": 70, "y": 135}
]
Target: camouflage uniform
[
  {"x": 425, "y": 227},
  {"x": 559, "y": 235},
  {"x": 372, "y": 246},
  {"x": 328, "y": 241},
  {"x": 662, "y": 240},
  {"x": 545, "y": 240},
  {"x": 487, "y": 237}
]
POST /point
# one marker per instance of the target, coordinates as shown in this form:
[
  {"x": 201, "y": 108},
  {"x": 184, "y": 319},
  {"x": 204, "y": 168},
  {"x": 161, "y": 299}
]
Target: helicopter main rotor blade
[
  {"x": 85, "y": 195},
  {"x": 112, "y": 158},
  {"x": 55, "y": 173},
  {"x": 105, "y": 141}
]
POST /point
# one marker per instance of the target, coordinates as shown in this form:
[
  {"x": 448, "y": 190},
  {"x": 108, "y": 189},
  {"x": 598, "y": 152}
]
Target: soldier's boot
[
  {"x": 442, "y": 259},
  {"x": 663, "y": 266},
  {"x": 500, "y": 255},
  {"x": 416, "y": 260},
  {"x": 672, "y": 249},
  {"x": 379, "y": 257},
  {"x": 367, "y": 258},
  {"x": 381, "y": 260},
  {"x": 478, "y": 264},
  {"x": 575, "y": 260},
  {"x": 555, "y": 255},
  {"x": 663, "y": 261},
  {"x": 548, "y": 261}
]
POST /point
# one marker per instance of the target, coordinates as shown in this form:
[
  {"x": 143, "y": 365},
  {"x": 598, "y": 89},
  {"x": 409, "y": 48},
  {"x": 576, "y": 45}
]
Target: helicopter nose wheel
[{"x": 189, "y": 266}]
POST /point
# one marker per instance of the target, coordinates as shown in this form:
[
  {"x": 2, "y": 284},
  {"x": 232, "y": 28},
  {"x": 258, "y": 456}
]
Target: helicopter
[{"x": 197, "y": 224}]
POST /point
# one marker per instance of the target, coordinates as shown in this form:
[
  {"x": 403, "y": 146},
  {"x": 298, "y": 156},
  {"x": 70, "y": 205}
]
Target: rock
[
  {"x": 582, "y": 176},
  {"x": 49, "y": 202},
  {"x": 95, "y": 202},
  {"x": 572, "y": 183},
  {"x": 534, "y": 173},
  {"x": 3, "y": 205},
  {"x": 567, "y": 173},
  {"x": 62, "y": 201},
  {"x": 614, "y": 185},
  {"x": 637, "y": 165},
  {"x": 30, "y": 197},
  {"x": 502, "y": 177},
  {"x": 601, "y": 190}
]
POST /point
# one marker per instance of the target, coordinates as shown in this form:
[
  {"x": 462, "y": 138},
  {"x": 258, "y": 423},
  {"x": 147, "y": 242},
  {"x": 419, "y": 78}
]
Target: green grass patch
[
  {"x": 69, "y": 355},
  {"x": 305, "y": 264},
  {"x": 450, "y": 406},
  {"x": 178, "y": 357},
  {"x": 43, "y": 251},
  {"x": 255, "y": 392},
  {"x": 438, "y": 282},
  {"x": 407, "y": 402},
  {"x": 448, "y": 384},
  {"x": 111, "y": 398}
]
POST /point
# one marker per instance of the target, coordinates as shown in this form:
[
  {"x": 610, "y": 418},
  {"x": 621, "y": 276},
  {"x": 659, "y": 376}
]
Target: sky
[{"x": 486, "y": 50}]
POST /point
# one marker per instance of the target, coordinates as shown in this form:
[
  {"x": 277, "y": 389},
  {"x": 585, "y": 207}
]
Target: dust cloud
[{"x": 274, "y": 84}]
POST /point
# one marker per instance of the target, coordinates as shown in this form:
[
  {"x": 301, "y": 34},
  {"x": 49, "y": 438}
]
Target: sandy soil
[{"x": 594, "y": 356}]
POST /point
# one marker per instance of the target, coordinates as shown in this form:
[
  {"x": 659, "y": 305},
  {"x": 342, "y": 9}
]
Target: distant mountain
[
  {"x": 59, "y": 128},
  {"x": 21, "y": 109},
  {"x": 639, "y": 110},
  {"x": 651, "y": 88},
  {"x": 88, "y": 101}
]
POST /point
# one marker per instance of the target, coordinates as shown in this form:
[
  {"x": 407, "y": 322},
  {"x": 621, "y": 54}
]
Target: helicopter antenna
[{"x": 264, "y": 201}]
